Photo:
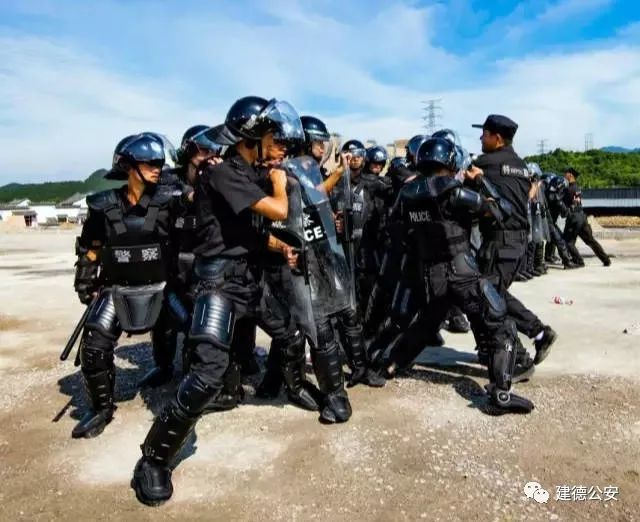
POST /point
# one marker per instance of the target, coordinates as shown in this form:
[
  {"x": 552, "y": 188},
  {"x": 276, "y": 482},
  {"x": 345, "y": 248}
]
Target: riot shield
[
  {"x": 325, "y": 264},
  {"x": 295, "y": 290},
  {"x": 536, "y": 222},
  {"x": 350, "y": 208},
  {"x": 542, "y": 201}
]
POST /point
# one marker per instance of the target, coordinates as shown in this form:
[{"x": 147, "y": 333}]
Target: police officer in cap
[
  {"x": 125, "y": 258},
  {"x": 230, "y": 210},
  {"x": 504, "y": 243}
]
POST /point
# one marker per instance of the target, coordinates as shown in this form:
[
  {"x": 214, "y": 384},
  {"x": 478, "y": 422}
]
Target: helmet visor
[
  {"x": 283, "y": 121},
  {"x": 144, "y": 148},
  {"x": 202, "y": 141}
]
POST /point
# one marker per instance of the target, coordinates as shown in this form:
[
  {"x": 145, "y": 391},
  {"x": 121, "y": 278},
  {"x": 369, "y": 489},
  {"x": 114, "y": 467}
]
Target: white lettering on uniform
[{"x": 419, "y": 216}]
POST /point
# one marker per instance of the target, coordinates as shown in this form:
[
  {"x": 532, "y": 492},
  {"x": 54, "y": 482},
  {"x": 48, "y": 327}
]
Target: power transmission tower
[
  {"x": 588, "y": 141},
  {"x": 542, "y": 145},
  {"x": 432, "y": 114}
]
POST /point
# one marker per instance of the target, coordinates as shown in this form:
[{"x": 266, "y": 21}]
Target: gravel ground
[{"x": 424, "y": 447}]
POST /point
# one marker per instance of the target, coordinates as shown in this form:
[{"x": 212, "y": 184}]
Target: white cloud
[{"x": 62, "y": 110}]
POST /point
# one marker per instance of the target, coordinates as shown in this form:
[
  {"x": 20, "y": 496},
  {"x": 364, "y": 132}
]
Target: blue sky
[{"x": 76, "y": 76}]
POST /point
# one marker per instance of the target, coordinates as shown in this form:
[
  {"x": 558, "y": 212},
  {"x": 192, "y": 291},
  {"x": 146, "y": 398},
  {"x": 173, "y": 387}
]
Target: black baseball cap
[{"x": 498, "y": 124}]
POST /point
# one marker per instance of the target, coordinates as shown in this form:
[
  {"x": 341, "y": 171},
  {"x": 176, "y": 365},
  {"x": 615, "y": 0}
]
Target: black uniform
[
  {"x": 136, "y": 260},
  {"x": 438, "y": 213},
  {"x": 503, "y": 246},
  {"x": 577, "y": 225},
  {"x": 371, "y": 195},
  {"x": 554, "y": 190}
]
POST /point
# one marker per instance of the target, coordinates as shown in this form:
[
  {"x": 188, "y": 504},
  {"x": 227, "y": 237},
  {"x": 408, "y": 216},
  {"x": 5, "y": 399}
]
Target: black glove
[{"x": 85, "y": 282}]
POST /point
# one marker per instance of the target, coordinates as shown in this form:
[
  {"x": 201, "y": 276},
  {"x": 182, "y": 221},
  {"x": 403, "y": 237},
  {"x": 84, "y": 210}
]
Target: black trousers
[
  {"x": 576, "y": 227},
  {"x": 471, "y": 294},
  {"x": 500, "y": 257}
]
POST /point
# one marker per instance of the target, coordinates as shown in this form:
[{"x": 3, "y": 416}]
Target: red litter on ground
[{"x": 562, "y": 300}]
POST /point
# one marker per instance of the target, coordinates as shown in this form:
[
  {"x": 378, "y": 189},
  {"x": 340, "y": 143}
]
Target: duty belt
[{"x": 507, "y": 235}]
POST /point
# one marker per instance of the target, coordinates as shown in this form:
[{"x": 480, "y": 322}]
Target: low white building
[{"x": 71, "y": 210}]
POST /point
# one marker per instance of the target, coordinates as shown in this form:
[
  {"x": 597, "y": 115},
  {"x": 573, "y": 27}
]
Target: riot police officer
[
  {"x": 554, "y": 188},
  {"x": 577, "y": 224},
  {"x": 179, "y": 175},
  {"x": 125, "y": 258},
  {"x": 230, "y": 207},
  {"x": 503, "y": 244},
  {"x": 437, "y": 212}
]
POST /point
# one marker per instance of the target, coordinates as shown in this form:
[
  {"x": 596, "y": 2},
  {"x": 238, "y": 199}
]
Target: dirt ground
[{"x": 423, "y": 447}]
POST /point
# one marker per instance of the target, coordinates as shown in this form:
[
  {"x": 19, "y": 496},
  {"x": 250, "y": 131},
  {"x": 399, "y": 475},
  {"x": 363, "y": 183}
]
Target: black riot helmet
[
  {"x": 194, "y": 140},
  {"x": 355, "y": 147},
  {"x": 377, "y": 154},
  {"x": 251, "y": 118},
  {"x": 315, "y": 131},
  {"x": 436, "y": 152},
  {"x": 147, "y": 147},
  {"x": 412, "y": 147},
  {"x": 447, "y": 134}
]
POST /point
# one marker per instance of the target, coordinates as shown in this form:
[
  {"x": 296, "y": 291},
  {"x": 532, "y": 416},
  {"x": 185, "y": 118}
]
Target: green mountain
[
  {"x": 56, "y": 191},
  {"x": 597, "y": 168}
]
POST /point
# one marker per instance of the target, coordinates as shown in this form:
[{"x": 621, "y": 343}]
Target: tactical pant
[
  {"x": 287, "y": 352},
  {"x": 500, "y": 257},
  {"x": 99, "y": 339},
  {"x": 576, "y": 226},
  {"x": 459, "y": 283}
]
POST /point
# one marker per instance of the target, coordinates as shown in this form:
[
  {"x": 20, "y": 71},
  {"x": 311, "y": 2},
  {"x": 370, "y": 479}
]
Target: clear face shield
[
  {"x": 206, "y": 145},
  {"x": 464, "y": 160},
  {"x": 321, "y": 149},
  {"x": 283, "y": 120}
]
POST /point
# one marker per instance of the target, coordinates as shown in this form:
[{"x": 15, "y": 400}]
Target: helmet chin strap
[{"x": 147, "y": 184}]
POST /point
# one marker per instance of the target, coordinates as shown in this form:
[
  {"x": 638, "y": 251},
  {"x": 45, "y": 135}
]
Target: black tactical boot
[
  {"x": 507, "y": 401},
  {"x": 360, "y": 371},
  {"x": 300, "y": 391},
  {"x": 336, "y": 408},
  {"x": 152, "y": 475},
  {"x": 100, "y": 390},
  {"x": 543, "y": 346},
  {"x": 232, "y": 392},
  {"x": 157, "y": 377},
  {"x": 524, "y": 367},
  {"x": 457, "y": 324},
  {"x": 328, "y": 369}
]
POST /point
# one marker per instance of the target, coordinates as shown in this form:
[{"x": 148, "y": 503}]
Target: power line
[
  {"x": 432, "y": 114},
  {"x": 542, "y": 146},
  {"x": 588, "y": 141}
]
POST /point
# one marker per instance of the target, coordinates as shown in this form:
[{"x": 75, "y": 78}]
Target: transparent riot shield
[
  {"x": 349, "y": 209},
  {"x": 536, "y": 222},
  {"x": 326, "y": 266},
  {"x": 295, "y": 290}
]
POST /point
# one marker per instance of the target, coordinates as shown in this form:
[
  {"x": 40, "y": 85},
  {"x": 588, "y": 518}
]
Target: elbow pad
[{"x": 467, "y": 199}]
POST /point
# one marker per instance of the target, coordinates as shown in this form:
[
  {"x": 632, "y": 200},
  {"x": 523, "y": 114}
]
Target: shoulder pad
[
  {"x": 164, "y": 193},
  {"x": 443, "y": 184},
  {"x": 103, "y": 200}
]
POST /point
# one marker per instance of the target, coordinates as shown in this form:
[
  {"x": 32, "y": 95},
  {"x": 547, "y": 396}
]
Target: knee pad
[
  {"x": 293, "y": 348},
  {"x": 213, "y": 320},
  {"x": 326, "y": 335},
  {"x": 102, "y": 317},
  {"x": 96, "y": 351},
  {"x": 494, "y": 306},
  {"x": 193, "y": 395},
  {"x": 350, "y": 321}
]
